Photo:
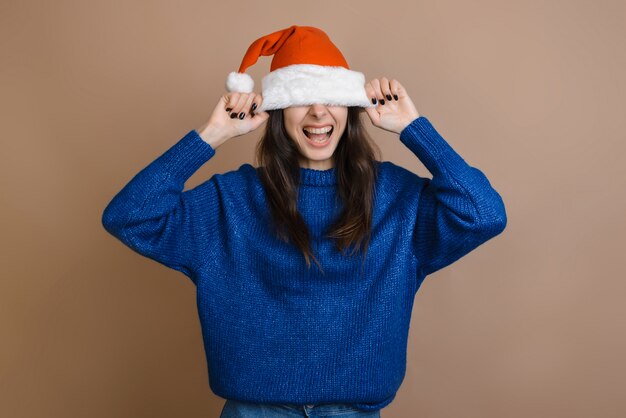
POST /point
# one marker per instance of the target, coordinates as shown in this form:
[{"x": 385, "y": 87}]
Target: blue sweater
[{"x": 275, "y": 331}]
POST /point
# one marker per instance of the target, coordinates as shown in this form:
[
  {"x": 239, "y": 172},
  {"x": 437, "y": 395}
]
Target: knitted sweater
[{"x": 273, "y": 330}]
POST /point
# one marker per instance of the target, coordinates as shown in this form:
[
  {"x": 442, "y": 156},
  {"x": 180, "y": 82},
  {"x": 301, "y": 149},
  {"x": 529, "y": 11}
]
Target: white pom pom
[{"x": 239, "y": 82}]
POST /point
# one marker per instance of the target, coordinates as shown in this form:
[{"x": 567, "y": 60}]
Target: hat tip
[{"x": 239, "y": 82}]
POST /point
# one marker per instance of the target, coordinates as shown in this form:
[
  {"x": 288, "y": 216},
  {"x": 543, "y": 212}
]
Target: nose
[{"x": 318, "y": 109}]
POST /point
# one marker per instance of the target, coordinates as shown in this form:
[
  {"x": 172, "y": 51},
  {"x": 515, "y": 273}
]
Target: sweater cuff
[
  {"x": 186, "y": 156},
  {"x": 421, "y": 137}
]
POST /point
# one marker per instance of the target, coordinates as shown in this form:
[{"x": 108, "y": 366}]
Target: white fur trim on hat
[
  {"x": 239, "y": 82},
  {"x": 306, "y": 84}
]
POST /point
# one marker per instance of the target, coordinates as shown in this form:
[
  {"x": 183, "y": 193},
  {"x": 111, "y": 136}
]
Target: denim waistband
[{"x": 324, "y": 408}]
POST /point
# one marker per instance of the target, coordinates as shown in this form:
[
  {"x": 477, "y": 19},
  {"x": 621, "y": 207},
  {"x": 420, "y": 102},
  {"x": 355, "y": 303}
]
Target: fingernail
[
  {"x": 253, "y": 106},
  {"x": 233, "y": 115},
  {"x": 228, "y": 109},
  {"x": 373, "y": 100},
  {"x": 389, "y": 97},
  {"x": 242, "y": 115},
  {"x": 382, "y": 101}
]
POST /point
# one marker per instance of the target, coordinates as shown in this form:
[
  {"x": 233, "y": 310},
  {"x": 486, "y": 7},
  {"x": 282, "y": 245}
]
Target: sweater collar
[{"x": 313, "y": 177}]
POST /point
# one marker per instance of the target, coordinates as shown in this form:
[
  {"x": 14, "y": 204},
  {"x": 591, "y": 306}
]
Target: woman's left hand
[{"x": 394, "y": 109}]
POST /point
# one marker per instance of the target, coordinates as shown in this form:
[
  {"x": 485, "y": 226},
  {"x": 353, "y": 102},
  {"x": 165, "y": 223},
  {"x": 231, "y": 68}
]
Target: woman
[{"x": 284, "y": 336}]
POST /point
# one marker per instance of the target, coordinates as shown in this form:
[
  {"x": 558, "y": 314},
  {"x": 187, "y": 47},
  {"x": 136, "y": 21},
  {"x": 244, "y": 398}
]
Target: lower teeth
[{"x": 326, "y": 136}]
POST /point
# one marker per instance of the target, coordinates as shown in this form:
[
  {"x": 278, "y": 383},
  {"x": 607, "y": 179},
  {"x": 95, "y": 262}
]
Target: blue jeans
[{"x": 237, "y": 409}]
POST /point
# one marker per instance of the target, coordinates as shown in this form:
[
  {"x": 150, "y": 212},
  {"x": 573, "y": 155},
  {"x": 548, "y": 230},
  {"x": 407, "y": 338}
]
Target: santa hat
[{"x": 307, "y": 68}]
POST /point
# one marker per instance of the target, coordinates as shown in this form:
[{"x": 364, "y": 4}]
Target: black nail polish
[
  {"x": 373, "y": 100},
  {"x": 382, "y": 101},
  {"x": 395, "y": 96},
  {"x": 233, "y": 115},
  {"x": 389, "y": 97},
  {"x": 242, "y": 115},
  {"x": 253, "y": 106},
  {"x": 228, "y": 109}
]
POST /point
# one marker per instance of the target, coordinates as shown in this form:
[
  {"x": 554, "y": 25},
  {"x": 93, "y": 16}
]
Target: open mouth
[{"x": 319, "y": 137}]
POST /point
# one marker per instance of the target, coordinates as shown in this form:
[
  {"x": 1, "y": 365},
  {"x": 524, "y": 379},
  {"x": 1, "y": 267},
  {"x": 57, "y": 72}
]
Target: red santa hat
[{"x": 307, "y": 68}]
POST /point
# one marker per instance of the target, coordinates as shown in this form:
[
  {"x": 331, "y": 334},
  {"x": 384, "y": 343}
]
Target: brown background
[{"x": 532, "y": 93}]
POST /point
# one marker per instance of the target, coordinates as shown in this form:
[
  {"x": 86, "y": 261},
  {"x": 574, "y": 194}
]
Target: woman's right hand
[{"x": 221, "y": 126}]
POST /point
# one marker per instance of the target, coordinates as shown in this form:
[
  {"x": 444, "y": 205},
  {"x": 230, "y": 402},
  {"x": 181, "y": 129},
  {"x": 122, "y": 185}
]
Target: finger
[
  {"x": 371, "y": 93},
  {"x": 256, "y": 102},
  {"x": 245, "y": 111},
  {"x": 259, "y": 118},
  {"x": 223, "y": 101},
  {"x": 397, "y": 90},
  {"x": 384, "y": 88},
  {"x": 263, "y": 115},
  {"x": 238, "y": 105},
  {"x": 379, "y": 94},
  {"x": 373, "y": 114},
  {"x": 231, "y": 100}
]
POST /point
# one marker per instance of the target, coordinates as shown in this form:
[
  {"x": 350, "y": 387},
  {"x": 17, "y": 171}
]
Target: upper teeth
[{"x": 319, "y": 130}]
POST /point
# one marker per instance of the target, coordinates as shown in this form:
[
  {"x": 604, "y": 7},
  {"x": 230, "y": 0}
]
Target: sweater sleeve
[
  {"x": 457, "y": 210},
  {"x": 154, "y": 217}
]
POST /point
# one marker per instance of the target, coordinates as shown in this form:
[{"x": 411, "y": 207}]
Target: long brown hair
[{"x": 356, "y": 169}]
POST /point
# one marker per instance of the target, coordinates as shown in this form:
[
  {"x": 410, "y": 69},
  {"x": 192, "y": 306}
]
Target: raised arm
[
  {"x": 457, "y": 210},
  {"x": 153, "y": 216}
]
